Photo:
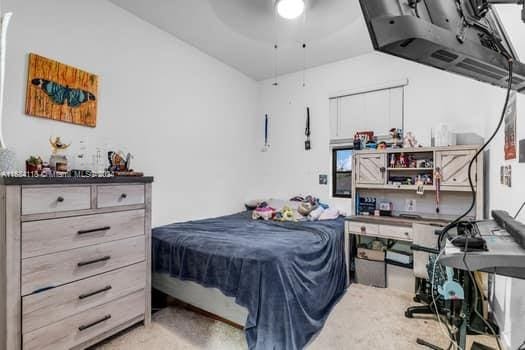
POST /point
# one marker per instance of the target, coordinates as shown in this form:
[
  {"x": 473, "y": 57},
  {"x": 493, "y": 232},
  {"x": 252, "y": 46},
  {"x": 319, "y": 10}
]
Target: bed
[{"x": 279, "y": 280}]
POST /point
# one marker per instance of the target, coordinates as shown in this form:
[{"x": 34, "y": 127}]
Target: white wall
[
  {"x": 431, "y": 97},
  {"x": 510, "y": 293},
  {"x": 185, "y": 116}
]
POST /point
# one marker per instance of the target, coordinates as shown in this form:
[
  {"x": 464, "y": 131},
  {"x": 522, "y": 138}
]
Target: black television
[{"x": 458, "y": 36}]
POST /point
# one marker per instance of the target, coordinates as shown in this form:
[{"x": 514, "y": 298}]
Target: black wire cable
[
  {"x": 413, "y": 4},
  {"x": 515, "y": 217}
]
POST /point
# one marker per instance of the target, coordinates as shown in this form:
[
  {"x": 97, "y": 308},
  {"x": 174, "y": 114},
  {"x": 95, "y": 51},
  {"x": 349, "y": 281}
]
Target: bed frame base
[{"x": 211, "y": 301}]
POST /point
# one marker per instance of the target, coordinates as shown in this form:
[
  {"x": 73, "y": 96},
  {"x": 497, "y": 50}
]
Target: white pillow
[
  {"x": 316, "y": 214},
  {"x": 329, "y": 214}
]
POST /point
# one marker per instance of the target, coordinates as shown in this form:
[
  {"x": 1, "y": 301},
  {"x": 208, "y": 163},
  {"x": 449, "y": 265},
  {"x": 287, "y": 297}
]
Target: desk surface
[
  {"x": 504, "y": 256},
  {"x": 396, "y": 220}
]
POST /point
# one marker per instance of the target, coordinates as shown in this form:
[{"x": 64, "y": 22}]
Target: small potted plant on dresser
[{"x": 34, "y": 165}]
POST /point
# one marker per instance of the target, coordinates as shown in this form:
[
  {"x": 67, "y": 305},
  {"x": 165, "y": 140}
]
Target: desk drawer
[
  {"x": 42, "y": 309},
  {"x": 116, "y": 196},
  {"x": 396, "y": 232},
  {"x": 362, "y": 228},
  {"x": 55, "y": 270},
  {"x": 40, "y": 200},
  {"x": 50, "y": 236},
  {"x": 83, "y": 327}
]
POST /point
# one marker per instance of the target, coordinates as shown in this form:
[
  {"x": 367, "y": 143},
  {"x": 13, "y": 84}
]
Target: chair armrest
[{"x": 419, "y": 248}]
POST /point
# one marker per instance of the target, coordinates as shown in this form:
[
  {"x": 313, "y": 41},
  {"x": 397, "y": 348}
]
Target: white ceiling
[{"x": 242, "y": 33}]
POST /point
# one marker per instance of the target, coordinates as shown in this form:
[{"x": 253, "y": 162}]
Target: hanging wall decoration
[
  {"x": 60, "y": 92},
  {"x": 266, "y": 147},
  {"x": 308, "y": 131},
  {"x": 510, "y": 128}
]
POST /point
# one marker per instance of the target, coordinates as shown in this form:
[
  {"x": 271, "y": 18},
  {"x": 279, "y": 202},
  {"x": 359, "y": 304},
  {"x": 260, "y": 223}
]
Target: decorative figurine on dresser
[{"x": 75, "y": 257}]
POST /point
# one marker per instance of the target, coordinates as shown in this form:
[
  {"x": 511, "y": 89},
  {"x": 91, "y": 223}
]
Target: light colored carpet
[{"x": 366, "y": 318}]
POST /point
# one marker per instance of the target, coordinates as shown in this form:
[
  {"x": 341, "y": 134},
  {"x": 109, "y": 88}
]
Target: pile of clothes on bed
[{"x": 298, "y": 208}]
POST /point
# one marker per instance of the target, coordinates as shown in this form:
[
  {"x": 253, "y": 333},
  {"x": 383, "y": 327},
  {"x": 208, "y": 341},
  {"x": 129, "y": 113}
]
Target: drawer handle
[
  {"x": 60, "y": 199},
  {"x": 85, "y": 232},
  {"x": 123, "y": 196},
  {"x": 85, "y": 263},
  {"x": 91, "y": 294},
  {"x": 103, "y": 319},
  {"x": 363, "y": 228}
]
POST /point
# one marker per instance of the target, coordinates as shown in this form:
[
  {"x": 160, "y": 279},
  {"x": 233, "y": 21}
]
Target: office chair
[
  {"x": 429, "y": 281},
  {"x": 424, "y": 245}
]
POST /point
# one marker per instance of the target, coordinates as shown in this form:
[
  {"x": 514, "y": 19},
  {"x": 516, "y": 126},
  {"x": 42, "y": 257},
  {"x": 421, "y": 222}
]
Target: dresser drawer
[
  {"x": 40, "y": 200},
  {"x": 396, "y": 232},
  {"x": 55, "y": 270},
  {"x": 83, "y": 327},
  {"x": 362, "y": 228},
  {"x": 115, "y": 196},
  {"x": 50, "y": 236},
  {"x": 42, "y": 309}
]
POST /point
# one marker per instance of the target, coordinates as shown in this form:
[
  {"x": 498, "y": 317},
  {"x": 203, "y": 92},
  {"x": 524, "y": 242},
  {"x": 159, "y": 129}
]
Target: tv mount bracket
[{"x": 481, "y": 7}]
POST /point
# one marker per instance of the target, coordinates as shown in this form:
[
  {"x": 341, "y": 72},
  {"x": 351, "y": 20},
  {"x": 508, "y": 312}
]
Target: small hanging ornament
[{"x": 307, "y": 143}]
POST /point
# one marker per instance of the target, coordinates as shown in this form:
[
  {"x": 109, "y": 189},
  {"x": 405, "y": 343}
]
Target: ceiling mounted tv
[{"x": 453, "y": 35}]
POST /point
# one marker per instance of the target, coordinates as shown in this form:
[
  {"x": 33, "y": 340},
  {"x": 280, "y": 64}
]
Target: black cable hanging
[{"x": 275, "y": 83}]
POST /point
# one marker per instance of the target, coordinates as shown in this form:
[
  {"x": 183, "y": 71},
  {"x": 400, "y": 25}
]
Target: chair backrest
[{"x": 425, "y": 236}]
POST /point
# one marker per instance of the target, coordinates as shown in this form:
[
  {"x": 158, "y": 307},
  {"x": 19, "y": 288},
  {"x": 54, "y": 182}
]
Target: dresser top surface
[{"x": 39, "y": 181}]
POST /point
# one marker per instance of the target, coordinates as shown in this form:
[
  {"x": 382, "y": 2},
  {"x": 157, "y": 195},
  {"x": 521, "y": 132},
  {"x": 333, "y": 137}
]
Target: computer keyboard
[{"x": 515, "y": 228}]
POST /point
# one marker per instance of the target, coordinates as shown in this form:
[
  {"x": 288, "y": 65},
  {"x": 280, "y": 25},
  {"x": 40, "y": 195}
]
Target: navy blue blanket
[{"x": 288, "y": 275}]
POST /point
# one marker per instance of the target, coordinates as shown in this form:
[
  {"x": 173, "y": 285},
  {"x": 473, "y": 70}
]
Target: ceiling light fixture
[{"x": 290, "y": 9}]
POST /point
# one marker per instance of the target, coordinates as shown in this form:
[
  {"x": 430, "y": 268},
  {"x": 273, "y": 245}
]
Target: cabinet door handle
[
  {"x": 92, "y": 324},
  {"x": 85, "y": 232},
  {"x": 91, "y": 294},
  {"x": 60, "y": 199},
  {"x": 94, "y": 261}
]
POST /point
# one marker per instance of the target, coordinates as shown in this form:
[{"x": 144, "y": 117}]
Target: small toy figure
[
  {"x": 117, "y": 162},
  {"x": 381, "y": 146},
  {"x": 412, "y": 162},
  {"x": 57, "y": 145},
  {"x": 357, "y": 142},
  {"x": 403, "y": 161},
  {"x": 396, "y": 136},
  {"x": 420, "y": 186},
  {"x": 409, "y": 140},
  {"x": 58, "y": 162}
]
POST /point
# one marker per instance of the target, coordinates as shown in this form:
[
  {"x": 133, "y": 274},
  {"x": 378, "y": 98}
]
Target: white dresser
[{"x": 75, "y": 256}]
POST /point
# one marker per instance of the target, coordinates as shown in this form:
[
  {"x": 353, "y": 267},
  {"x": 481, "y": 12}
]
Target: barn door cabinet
[
  {"x": 371, "y": 169},
  {"x": 453, "y": 166}
]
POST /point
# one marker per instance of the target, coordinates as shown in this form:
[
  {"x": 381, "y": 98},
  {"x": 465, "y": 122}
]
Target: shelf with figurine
[{"x": 62, "y": 164}]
